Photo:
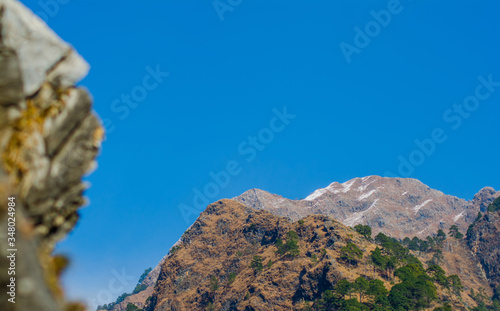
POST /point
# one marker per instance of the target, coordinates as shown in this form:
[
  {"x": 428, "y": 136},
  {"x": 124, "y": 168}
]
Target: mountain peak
[
  {"x": 399, "y": 207},
  {"x": 484, "y": 198},
  {"x": 360, "y": 184}
]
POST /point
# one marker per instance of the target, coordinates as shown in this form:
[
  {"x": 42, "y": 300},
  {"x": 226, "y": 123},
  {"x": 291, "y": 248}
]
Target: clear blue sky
[{"x": 225, "y": 78}]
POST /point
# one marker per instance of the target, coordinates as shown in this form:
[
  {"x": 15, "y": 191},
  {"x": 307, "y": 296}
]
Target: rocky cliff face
[
  {"x": 483, "y": 199},
  {"x": 484, "y": 240},
  {"x": 211, "y": 267},
  {"x": 399, "y": 207},
  {"x": 49, "y": 139}
]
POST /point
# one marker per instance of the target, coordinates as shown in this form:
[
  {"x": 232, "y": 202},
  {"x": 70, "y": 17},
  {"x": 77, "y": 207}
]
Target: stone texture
[
  {"x": 484, "y": 198},
  {"x": 43, "y": 55},
  {"x": 49, "y": 138},
  {"x": 484, "y": 240}
]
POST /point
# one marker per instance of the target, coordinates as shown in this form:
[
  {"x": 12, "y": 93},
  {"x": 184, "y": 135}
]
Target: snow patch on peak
[
  {"x": 373, "y": 205},
  {"x": 404, "y": 193},
  {"x": 354, "y": 218},
  {"x": 418, "y": 207},
  {"x": 333, "y": 188},
  {"x": 365, "y": 178},
  {"x": 336, "y": 188},
  {"x": 347, "y": 185},
  {"x": 458, "y": 216},
  {"x": 364, "y": 186},
  {"x": 366, "y": 195},
  {"x": 316, "y": 194}
]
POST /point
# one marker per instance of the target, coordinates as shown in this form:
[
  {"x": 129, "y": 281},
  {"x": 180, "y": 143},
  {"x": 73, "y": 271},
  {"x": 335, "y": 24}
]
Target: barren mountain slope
[{"x": 210, "y": 269}]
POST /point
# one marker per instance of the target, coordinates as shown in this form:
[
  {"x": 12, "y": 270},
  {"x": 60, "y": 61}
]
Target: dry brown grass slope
[{"x": 223, "y": 241}]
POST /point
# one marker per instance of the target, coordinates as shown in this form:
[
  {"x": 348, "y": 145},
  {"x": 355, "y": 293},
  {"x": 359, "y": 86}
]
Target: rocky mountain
[
  {"x": 483, "y": 238},
  {"x": 240, "y": 258},
  {"x": 399, "y": 207},
  {"x": 49, "y": 138}
]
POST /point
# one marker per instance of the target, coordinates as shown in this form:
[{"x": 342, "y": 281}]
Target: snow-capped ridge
[
  {"x": 366, "y": 195},
  {"x": 399, "y": 207}
]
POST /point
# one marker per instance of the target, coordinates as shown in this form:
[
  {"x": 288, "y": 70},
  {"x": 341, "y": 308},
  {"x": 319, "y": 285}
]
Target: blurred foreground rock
[{"x": 49, "y": 138}]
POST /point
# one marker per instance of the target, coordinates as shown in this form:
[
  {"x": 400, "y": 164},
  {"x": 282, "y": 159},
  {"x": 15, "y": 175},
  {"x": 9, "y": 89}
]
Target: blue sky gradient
[{"x": 354, "y": 116}]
